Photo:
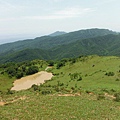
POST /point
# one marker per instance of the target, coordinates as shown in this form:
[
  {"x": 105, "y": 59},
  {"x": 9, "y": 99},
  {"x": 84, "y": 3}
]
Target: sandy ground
[
  {"x": 26, "y": 82},
  {"x": 48, "y": 67},
  {"x": 2, "y": 103}
]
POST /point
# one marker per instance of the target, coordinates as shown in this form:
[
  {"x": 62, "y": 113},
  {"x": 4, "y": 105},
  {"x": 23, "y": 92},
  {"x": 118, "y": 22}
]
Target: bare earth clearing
[{"x": 26, "y": 82}]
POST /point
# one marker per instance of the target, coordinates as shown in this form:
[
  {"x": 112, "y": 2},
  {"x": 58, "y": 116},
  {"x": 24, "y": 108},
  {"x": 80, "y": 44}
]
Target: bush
[
  {"x": 117, "y": 79},
  {"x": 117, "y": 95},
  {"x": 11, "y": 71},
  {"x": 110, "y": 74},
  {"x": 45, "y": 92},
  {"x": 35, "y": 87},
  {"x": 32, "y": 69},
  {"x": 80, "y": 78},
  {"x": 51, "y": 63},
  {"x": 10, "y": 91},
  {"x": 60, "y": 64},
  {"x": 75, "y": 76},
  {"x": 19, "y": 75}
]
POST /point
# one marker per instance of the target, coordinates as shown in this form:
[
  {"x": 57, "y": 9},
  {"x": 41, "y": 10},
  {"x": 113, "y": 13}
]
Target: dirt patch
[
  {"x": 110, "y": 96},
  {"x": 26, "y": 82},
  {"x": 2, "y": 103},
  {"x": 48, "y": 68},
  {"x": 76, "y": 94}
]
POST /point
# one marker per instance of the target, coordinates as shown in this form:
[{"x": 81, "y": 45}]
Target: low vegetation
[
  {"x": 85, "y": 88},
  {"x": 11, "y": 71}
]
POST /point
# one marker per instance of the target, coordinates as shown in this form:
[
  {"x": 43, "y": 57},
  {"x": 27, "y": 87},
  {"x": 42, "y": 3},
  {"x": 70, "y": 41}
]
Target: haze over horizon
[{"x": 32, "y": 18}]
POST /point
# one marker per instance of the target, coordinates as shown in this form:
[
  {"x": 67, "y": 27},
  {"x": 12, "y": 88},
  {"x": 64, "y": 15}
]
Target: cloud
[
  {"x": 60, "y": 14},
  {"x": 102, "y": 2},
  {"x": 56, "y": 0},
  {"x": 73, "y": 12},
  {"x": 5, "y": 6}
]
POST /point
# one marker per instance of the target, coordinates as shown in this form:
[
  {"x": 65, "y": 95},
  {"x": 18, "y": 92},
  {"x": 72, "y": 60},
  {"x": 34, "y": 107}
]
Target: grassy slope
[
  {"x": 93, "y": 78},
  {"x": 37, "y": 107},
  {"x": 5, "y": 83},
  {"x": 84, "y": 107}
]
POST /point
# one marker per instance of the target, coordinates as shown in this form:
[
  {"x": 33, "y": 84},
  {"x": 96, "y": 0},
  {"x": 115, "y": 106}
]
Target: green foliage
[
  {"x": 60, "y": 64},
  {"x": 117, "y": 95},
  {"x": 35, "y": 87},
  {"x": 19, "y": 74},
  {"x": 74, "y": 44},
  {"x": 32, "y": 69},
  {"x": 11, "y": 71},
  {"x": 45, "y": 92},
  {"x": 110, "y": 74},
  {"x": 51, "y": 63},
  {"x": 75, "y": 76}
]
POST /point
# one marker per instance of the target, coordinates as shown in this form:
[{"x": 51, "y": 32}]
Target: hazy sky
[{"x": 21, "y": 19}]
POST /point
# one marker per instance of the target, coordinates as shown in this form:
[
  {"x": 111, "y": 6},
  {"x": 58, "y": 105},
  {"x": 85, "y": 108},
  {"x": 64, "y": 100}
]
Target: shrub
[
  {"x": 19, "y": 75},
  {"x": 32, "y": 69},
  {"x": 80, "y": 78},
  {"x": 10, "y": 91},
  {"x": 110, "y": 74},
  {"x": 11, "y": 71},
  {"x": 75, "y": 76},
  {"x": 60, "y": 64},
  {"x": 117, "y": 95},
  {"x": 35, "y": 87},
  {"x": 117, "y": 79},
  {"x": 51, "y": 63},
  {"x": 45, "y": 92}
]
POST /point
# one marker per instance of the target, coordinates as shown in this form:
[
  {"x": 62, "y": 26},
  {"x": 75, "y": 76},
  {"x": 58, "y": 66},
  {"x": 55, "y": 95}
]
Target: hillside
[
  {"x": 73, "y": 44},
  {"x": 47, "y": 42},
  {"x": 104, "y": 45},
  {"x": 83, "y": 88}
]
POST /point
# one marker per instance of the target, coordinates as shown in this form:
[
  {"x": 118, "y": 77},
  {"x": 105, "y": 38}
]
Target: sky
[{"x": 22, "y": 19}]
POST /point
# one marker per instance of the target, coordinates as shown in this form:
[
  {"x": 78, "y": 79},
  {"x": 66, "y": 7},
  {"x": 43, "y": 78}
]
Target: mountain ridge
[
  {"x": 46, "y": 42},
  {"x": 57, "y": 33},
  {"x": 72, "y": 44}
]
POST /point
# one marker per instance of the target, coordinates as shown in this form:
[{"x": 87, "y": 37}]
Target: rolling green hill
[
  {"x": 47, "y": 42},
  {"x": 73, "y": 44},
  {"x": 103, "y": 45}
]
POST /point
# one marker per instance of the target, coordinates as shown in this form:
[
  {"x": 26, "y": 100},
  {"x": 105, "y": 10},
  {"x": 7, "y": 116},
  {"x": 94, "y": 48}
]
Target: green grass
[
  {"x": 93, "y": 78},
  {"x": 49, "y": 107},
  {"x": 5, "y": 83},
  {"x": 95, "y": 106}
]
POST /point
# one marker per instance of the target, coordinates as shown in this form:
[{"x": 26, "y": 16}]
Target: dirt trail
[
  {"x": 2, "y": 103},
  {"x": 26, "y": 82}
]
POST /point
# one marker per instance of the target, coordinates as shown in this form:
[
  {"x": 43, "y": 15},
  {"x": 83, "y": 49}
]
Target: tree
[
  {"x": 60, "y": 64},
  {"x": 32, "y": 69},
  {"x": 51, "y": 63},
  {"x": 11, "y": 71},
  {"x": 19, "y": 75}
]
